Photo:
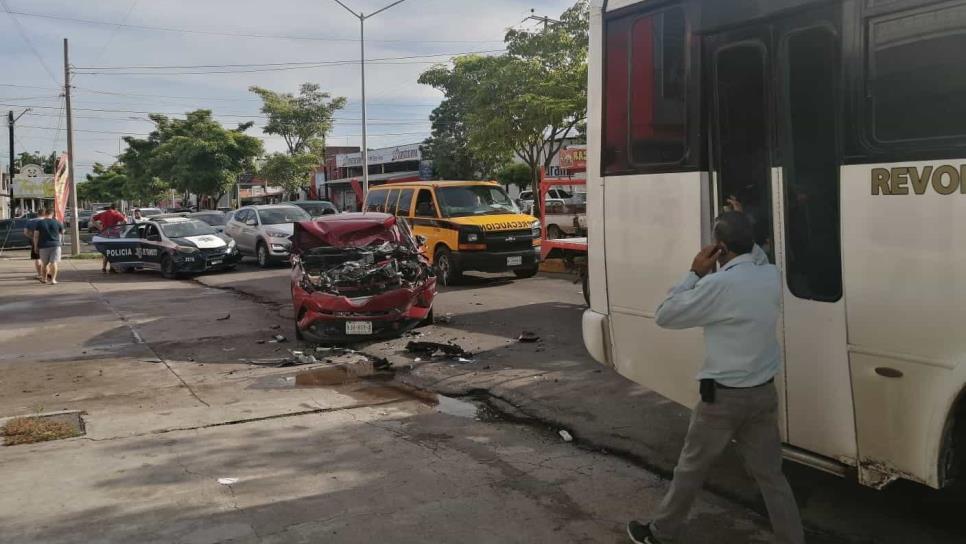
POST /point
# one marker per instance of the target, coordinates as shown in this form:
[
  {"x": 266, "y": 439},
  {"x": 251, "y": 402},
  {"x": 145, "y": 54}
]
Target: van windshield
[{"x": 474, "y": 200}]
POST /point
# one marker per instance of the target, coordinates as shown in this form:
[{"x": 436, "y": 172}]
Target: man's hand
[{"x": 704, "y": 261}]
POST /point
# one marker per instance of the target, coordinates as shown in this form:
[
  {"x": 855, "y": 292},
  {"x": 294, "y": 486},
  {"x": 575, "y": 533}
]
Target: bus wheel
[{"x": 446, "y": 269}]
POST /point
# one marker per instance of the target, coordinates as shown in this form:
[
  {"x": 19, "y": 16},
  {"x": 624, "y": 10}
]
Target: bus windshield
[{"x": 474, "y": 200}]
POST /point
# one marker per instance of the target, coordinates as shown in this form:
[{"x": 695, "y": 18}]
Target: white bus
[{"x": 840, "y": 126}]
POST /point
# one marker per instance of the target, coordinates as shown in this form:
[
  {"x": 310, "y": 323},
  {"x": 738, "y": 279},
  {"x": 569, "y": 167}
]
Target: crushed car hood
[{"x": 344, "y": 231}]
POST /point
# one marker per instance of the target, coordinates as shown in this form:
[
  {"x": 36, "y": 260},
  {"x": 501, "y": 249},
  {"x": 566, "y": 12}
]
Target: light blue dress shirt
[{"x": 738, "y": 308}]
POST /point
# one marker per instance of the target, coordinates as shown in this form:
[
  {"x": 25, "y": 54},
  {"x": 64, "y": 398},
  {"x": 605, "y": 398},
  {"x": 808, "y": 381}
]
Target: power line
[
  {"x": 142, "y": 134},
  {"x": 229, "y": 34},
  {"x": 26, "y": 39},
  {"x": 117, "y": 27}
]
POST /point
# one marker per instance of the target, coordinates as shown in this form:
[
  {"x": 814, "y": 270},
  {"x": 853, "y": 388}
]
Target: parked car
[
  {"x": 11, "y": 233},
  {"x": 173, "y": 245},
  {"x": 264, "y": 230},
  {"x": 316, "y": 208},
  {"x": 215, "y": 218},
  {"x": 526, "y": 197},
  {"x": 359, "y": 276}
]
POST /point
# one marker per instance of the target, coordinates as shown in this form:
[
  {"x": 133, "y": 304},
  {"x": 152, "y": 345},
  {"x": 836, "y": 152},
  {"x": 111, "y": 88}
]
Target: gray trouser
[{"x": 750, "y": 417}]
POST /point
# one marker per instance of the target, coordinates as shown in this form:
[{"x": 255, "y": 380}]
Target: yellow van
[{"x": 468, "y": 225}]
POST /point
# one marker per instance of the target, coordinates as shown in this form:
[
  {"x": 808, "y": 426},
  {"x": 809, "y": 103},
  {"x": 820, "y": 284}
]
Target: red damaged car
[{"x": 357, "y": 276}]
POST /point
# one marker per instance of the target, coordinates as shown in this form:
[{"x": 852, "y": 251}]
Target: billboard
[
  {"x": 32, "y": 182},
  {"x": 385, "y": 155}
]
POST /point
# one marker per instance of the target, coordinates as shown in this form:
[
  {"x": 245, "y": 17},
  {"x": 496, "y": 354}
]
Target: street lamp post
[{"x": 362, "y": 62}]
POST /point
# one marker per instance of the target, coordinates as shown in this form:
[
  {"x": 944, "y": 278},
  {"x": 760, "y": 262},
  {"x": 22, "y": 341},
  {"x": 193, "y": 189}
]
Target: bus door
[{"x": 775, "y": 94}]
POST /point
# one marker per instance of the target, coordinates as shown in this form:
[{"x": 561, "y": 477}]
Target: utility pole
[
  {"x": 362, "y": 63},
  {"x": 11, "y": 121},
  {"x": 75, "y": 226}
]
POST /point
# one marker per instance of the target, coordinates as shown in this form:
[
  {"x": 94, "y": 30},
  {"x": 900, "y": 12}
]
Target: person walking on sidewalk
[
  {"x": 34, "y": 256},
  {"x": 104, "y": 222},
  {"x": 737, "y": 307},
  {"x": 48, "y": 237}
]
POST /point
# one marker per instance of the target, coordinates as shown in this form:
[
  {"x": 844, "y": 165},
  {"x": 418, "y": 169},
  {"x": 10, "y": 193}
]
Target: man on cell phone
[{"x": 737, "y": 307}]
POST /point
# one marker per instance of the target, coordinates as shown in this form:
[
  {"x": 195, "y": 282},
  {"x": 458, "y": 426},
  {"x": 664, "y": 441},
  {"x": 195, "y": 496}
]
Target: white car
[{"x": 263, "y": 231}]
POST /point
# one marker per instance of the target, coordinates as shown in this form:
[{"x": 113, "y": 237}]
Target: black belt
[{"x": 718, "y": 384}]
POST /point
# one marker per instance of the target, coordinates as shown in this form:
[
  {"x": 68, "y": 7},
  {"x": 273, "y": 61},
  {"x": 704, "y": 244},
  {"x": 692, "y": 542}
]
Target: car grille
[
  {"x": 513, "y": 240},
  {"x": 213, "y": 252}
]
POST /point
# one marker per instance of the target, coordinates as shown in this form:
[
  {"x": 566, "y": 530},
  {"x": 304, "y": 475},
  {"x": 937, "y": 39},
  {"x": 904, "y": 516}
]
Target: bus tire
[{"x": 447, "y": 272}]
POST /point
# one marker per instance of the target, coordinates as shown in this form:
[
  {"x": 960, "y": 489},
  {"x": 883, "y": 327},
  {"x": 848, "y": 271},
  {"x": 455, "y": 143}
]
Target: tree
[
  {"x": 448, "y": 146},
  {"x": 192, "y": 155},
  {"x": 515, "y": 173},
  {"x": 291, "y": 172},
  {"x": 104, "y": 184},
  {"x": 299, "y": 119},
  {"x": 527, "y": 100},
  {"x": 48, "y": 163}
]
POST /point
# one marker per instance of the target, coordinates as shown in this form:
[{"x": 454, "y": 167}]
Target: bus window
[
  {"x": 391, "y": 201},
  {"x": 425, "y": 207},
  {"x": 375, "y": 201},
  {"x": 743, "y": 142},
  {"x": 813, "y": 254},
  {"x": 917, "y": 75},
  {"x": 405, "y": 202},
  {"x": 645, "y": 91}
]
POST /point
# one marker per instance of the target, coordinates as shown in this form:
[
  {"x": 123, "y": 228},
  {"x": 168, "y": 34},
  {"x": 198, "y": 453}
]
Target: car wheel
[
  {"x": 446, "y": 269},
  {"x": 554, "y": 232},
  {"x": 261, "y": 255},
  {"x": 524, "y": 273},
  {"x": 167, "y": 268}
]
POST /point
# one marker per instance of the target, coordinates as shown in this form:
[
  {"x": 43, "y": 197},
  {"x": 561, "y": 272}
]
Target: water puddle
[{"x": 457, "y": 407}]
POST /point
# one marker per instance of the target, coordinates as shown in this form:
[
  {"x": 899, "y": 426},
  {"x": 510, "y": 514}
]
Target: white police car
[{"x": 174, "y": 245}]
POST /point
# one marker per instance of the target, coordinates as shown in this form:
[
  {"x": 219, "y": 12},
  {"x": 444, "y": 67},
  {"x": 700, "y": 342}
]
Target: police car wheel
[
  {"x": 261, "y": 255},
  {"x": 167, "y": 268}
]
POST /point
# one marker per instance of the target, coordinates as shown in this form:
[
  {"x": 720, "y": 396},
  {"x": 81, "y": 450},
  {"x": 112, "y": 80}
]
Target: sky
[{"x": 113, "y": 41}]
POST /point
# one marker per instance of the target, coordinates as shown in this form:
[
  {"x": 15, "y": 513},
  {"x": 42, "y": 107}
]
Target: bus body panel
[
  {"x": 644, "y": 259},
  {"x": 596, "y": 267},
  {"x": 903, "y": 256}
]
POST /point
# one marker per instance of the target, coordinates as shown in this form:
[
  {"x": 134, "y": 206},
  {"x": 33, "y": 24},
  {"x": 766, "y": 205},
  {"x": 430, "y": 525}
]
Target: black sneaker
[{"x": 641, "y": 533}]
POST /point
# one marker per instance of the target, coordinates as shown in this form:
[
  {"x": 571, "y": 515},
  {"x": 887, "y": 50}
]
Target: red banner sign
[
  {"x": 60, "y": 188},
  {"x": 574, "y": 159}
]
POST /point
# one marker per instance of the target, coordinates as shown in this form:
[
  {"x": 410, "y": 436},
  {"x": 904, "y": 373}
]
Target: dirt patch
[{"x": 28, "y": 430}]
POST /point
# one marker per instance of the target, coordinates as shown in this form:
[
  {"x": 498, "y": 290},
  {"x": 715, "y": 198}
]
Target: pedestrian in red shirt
[{"x": 105, "y": 221}]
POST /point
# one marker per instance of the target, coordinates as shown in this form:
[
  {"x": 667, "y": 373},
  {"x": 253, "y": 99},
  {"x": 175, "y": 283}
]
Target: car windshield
[
  {"x": 213, "y": 219},
  {"x": 474, "y": 200},
  {"x": 281, "y": 216},
  {"x": 314, "y": 209},
  {"x": 182, "y": 229}
]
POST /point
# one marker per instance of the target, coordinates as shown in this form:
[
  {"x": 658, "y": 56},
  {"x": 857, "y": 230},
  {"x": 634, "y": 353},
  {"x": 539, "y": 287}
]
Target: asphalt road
[
  {"x": 164, "y": 370},
  {"x": 556, "y": 384}
]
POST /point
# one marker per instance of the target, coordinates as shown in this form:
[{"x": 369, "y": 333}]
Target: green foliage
[
  {"x": 191, "y": 155},
  {"x": 104, "y": 184},
  {"x": 299, "y": 119},
  {"x": 291, "y": 172},
  {"x": 524, "y": 101},
  {"x": 448, "y": 147},
  {"x": 518, "y": 174},
  {"x": 49, "y": 163}
]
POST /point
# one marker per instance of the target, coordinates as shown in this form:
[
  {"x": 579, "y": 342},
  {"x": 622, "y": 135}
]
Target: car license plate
[
  {"x": 358, "y": 327},
  {"x": 514, "y": 261},
  {"x": 216, "y": 262}
]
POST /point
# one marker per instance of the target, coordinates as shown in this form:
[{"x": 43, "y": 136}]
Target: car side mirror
[
  {"x": 421, "y": 240},
  {"x": 251, "y": 222}
]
